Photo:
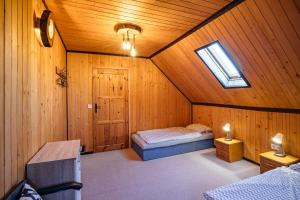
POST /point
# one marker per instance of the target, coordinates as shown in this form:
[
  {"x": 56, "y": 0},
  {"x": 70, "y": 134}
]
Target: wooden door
[{"x": 110, "y": 99}]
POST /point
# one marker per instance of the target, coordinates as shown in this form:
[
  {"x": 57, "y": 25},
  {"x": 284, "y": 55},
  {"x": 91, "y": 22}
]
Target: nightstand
[
  {"x": 269, "y": 161},
  {"x": 229, "y": 151}
]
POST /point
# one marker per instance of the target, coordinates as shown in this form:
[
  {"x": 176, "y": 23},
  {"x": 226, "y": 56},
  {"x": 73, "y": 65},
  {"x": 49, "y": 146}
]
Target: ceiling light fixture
[{"x": 129, "y": 32}]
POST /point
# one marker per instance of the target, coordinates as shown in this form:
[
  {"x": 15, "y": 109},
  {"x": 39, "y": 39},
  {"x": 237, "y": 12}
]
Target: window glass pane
[
  {"x": 216, "y": 59},
  {"x": 223, "y": 59},
  {"x": 213, "y": 66}
]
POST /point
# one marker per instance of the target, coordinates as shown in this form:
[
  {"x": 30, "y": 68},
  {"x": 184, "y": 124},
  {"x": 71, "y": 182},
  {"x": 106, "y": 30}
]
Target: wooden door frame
[{"x": 128, "y": 104}]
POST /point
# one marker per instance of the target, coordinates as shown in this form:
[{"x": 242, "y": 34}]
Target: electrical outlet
[{"x": 90, "y": 106}]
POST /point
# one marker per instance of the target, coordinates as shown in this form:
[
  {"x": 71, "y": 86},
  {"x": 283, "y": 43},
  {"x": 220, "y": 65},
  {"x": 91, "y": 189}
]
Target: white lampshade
[
  {"x": 278, "y": 138},
  {"x": 278, "y": 145},
  {"x": 226, "y": 127}
]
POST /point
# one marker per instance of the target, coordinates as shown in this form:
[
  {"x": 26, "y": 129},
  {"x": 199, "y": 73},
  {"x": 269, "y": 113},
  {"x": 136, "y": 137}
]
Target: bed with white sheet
[
  {"x": 158, "y": 143},
  {"x": 282, "y": 183}
]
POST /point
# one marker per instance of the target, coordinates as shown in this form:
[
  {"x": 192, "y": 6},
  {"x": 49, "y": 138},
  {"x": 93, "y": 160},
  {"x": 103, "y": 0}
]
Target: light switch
[{"x": 90, "y": 106}]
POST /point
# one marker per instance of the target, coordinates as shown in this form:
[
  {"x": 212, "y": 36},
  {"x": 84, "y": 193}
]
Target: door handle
[{"x": 96, "y": 108}]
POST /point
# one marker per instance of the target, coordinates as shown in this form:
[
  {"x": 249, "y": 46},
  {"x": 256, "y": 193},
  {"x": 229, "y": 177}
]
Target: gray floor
[{"x": 121, "y": 175}]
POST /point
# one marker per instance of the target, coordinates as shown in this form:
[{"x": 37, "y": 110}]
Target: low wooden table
[
  {"x": 229, "y": 151},
  {"x": 269, "y": 161}
]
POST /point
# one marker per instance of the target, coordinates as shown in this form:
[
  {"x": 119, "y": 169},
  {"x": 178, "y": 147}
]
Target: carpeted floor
[{"x": 121, "y": 175}]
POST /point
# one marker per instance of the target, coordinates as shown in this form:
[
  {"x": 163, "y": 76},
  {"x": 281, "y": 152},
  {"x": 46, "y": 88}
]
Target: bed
[
  {"x": 281, "y": 184},
  {"x": 159, "y": 143}
]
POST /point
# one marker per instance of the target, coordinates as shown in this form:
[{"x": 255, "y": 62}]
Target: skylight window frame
[{"x": 223, "y": 70}]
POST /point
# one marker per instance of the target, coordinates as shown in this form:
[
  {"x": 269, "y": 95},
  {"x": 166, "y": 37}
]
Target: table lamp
[
  {"x": 226, "y": 129},
  {"x": 277, "y": 144}
]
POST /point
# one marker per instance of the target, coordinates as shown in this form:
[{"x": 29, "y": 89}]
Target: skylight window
[{"x": 221, "y": 65}]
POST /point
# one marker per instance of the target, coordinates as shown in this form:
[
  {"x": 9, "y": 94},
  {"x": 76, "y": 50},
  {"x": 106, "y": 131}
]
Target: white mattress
[
  {"x": 139, "y": 141},
  {"x": 167, "y": 134}
]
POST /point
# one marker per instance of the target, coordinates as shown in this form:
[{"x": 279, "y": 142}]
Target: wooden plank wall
[
  {"x": 254, "y": 128},
  {"x": 262, "y": 36},
  {"x": 154, "y": 102},
  {"x": 2, "y": 98},
  {"x": 35, "y": 107}
]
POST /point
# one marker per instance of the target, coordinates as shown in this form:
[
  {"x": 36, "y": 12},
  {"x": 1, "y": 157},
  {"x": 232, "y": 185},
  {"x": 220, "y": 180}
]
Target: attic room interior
[{"x": 150, "y": 99}]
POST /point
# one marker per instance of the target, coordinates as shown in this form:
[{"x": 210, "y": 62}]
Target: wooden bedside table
[
  {"x": 229, "y": 151},
  {"x": 269, "y": 161}
]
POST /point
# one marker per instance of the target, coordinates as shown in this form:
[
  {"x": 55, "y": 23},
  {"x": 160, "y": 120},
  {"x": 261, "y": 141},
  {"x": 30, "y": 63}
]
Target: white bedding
[
  {"x": 144, "y": 145},
  {"x": 167, "y": 134},
  {"x": 279, "y": 184}
]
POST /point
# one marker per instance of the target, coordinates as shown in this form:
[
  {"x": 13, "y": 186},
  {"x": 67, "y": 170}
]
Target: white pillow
[{"x": 201, "y": 128}]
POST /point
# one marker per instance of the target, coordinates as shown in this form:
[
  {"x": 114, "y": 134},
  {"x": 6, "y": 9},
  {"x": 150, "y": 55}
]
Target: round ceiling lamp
[
  {"x": 129, "y": 32},
  {"x": 47, "y": 28}
]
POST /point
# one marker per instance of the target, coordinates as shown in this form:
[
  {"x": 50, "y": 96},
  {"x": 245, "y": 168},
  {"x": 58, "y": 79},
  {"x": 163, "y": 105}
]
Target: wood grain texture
[
  {"x": 60, "y": 150},
  {"x": 80, "y": 90},
  {"x": 2, "y": 93},
  {"x": 35, "y": 107},
  {"x": 89, "y": 25},
  {"x": 269, "y": 161},
  {"x": 254, "y": 128},
  {"x": 262, "y": 36},
  {"x": 287, "y": 160},
  {"x": 154, "y": 102},
  {"x": 229, "y": 151},
  {"x": 111, "y": 116}
]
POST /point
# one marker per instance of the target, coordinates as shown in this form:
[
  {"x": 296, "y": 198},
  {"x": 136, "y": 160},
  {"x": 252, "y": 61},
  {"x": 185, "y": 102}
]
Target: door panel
[
  {"x": 102, "y": 136},
  {"x": 103, "y": 110},
  {"x": 117, "y": 130},
  {"x": 103, "y": 82},
  {"x": 117, "y": 86},
  {"x": 110, "y": 93},
  {"x": 117, "y": 111}
]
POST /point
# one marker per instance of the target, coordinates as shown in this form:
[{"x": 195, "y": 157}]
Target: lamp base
[
  {"x": 227, "y": 139},
  {"x": 228, "y": 136},
  {"x": 279, "y": 154},
  {"x": 280, "y": 151}
]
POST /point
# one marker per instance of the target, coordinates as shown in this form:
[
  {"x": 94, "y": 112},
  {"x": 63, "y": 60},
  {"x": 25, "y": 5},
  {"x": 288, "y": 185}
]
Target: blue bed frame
[{"x": 160, "y": 152}]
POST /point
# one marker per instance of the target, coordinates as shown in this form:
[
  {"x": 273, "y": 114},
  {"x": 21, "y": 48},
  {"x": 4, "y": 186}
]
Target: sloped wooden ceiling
[
  {"x": 88, "y": 25},
  {"x": 263, "y": 37}
]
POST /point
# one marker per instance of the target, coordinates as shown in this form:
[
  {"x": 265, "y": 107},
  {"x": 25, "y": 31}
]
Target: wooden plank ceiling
[
  {"x": 88, "y": 25},
  {"x": 263, "y": 37}
]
